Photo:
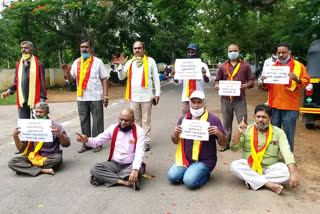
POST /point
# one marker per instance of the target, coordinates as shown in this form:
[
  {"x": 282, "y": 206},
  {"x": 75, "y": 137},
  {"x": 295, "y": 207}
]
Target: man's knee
[
  {"x": 193, "y": 181},
  {"x": 234, "y": 166},
  {"x": 173, "y": 176},
  {"x": 12, "y": 162}
]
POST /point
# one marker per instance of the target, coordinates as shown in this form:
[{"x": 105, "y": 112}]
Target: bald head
[{"x": 126, "y": 117}]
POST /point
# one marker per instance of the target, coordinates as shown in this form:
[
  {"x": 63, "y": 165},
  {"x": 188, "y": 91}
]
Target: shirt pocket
[{"x": 272, "y": 149}]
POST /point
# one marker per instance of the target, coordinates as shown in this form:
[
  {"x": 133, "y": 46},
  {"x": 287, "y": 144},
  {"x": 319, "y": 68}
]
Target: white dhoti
[{"x": 276, "y": 173}]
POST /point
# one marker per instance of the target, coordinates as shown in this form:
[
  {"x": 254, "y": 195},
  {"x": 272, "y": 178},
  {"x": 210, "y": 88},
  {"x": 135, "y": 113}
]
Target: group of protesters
[{"x": 130, "y": 138}]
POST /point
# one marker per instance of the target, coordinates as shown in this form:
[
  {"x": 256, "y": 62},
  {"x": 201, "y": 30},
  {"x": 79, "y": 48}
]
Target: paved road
[{"x": 69, "y": 191}]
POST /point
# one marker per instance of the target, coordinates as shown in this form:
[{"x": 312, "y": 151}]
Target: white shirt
[
  {"x": 139, "y": 93},
  {"x": 199, "y": 83},
  {"x": 123, "y": 150},
  {"x": 94, "y": 90}
]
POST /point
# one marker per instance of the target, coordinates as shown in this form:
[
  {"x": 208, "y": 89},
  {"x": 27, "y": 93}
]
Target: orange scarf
[
  {"x": 144, "y": 81},
  {"x": 233, "y": 74},
  {"x": 181, "y": 159},
  {"x": 256, "y": 156},
  {"x": 83, "y": 74}
]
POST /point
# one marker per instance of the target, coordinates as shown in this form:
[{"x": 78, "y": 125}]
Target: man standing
[
  {"x": 261, "y": 144},
  {"x": 29, "y": 81},
  {"x": 196, "y": 159},
  {"x": 141, "y": 72},
  {"x": 192, "y": 85},
  {"x": 284, "y": 99},
  {"x": 234, "y": 69},
  {"x": 40, "y": 157},
  {"x": 92, "y": 91},
  {"x": 124, "y": 166}
]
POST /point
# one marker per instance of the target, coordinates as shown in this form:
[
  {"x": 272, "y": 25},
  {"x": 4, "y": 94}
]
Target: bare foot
[
  {"x": 47, "y": 171},
  {"x": 247, "y": 185},
  {"x": 277, "y": 188}
]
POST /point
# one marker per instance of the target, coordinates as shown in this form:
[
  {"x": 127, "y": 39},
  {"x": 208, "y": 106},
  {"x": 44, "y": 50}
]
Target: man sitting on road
[
  {"x": 261, "y": 143},
  {"x": 40, "y": 157},
  {"x": 196, "y": 159},
  {"x": 126, "y": 153}
]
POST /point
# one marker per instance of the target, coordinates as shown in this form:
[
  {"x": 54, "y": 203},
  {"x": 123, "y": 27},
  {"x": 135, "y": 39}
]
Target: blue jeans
[
  {"x": 196, "y": 175},
  {"x": 288, "y": 119}
]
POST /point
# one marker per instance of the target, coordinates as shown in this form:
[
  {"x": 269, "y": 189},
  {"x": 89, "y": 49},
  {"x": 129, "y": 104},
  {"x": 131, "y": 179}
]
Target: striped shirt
[{"x": 94, "y": 90}]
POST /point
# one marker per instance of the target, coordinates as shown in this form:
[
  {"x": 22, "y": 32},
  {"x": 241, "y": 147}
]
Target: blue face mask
[
  {"x": 284, "y": 61},
  {"x": 263, "y": 128},
  {"x": 233, "y": 55},
  {"x": 85, "y": 55},
  {"x": 192, "y": 56}
]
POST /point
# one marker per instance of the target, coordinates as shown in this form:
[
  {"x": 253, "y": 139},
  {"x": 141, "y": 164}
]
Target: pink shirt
[{"x": 124, "y": 146}]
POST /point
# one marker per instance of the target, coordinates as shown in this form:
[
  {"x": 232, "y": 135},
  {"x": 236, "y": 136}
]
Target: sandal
[
  {"x": 223, "y": 148},
  {"x": 134, "y": 185},
  {"x": 98, "y": 149},
  {"x": 84, "y": 149}
]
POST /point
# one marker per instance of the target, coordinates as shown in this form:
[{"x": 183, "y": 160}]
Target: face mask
[
  {"x": 233, "y": 55},
  {"x": 197, "y": 112},
  {"x": 125, "y": 129},
  {"x": 284, "y": 61},
  {"x": 85, "y": 55},
  {"x": 139, "y": 61},
  {"x": 263, "y": 128},
  {"x": 192, "y": 56},
  {"x": 39, "y": 118},
  {"x": 26, "y": 56}
]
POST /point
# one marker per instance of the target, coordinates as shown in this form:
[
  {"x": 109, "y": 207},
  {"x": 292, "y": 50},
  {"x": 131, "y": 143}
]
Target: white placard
[
  {"x": 195, "y": 130},
  {"x": 35, "y": 130},
  {"x": 229, "y": 88},
  {"x": 276, "y": 74},
  {"x": 188, "y": 69}
]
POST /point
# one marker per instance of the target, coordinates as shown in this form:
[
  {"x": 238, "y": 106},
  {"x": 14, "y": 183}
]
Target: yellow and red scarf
[
  {"x": 191, "y": 87},
  {"x": 83, "y": 74},
  {"x": 181, "y": 159},
  {"x": 114, "y": 139},
  {"x": 34, "y": 82},
  {"x": 235, "y": 71},
  {"x": 295, "y": 67},
  {"x": 256, "y": 156},
  {"x": 144, "y": 81},
  {"x": 34, "y": 156}
]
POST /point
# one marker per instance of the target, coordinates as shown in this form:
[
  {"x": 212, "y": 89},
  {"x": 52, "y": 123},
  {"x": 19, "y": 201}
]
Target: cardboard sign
[
  {"x": 276, "y": 74},
  {"x": 229, "y": 88},
  {"x": 195, "y": 130},
  {"x": 35, "y": 130},
  {"x": 188, "y": 69}
]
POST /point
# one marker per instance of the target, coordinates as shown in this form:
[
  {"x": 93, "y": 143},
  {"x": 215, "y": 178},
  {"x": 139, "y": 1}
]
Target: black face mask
[
  {"x": 192, "y": 56},
  {"x": 125, "y": 129}
]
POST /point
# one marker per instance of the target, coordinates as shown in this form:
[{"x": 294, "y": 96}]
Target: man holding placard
[
  {"x": 235, "y": 77},
  {"x": 284, "y": 97},
  {"x": 261, "y": 143},
  {"x": 42, "y": 156},
  {"x": 196, "y": 135},
  {"x": 193, "y": 73}
]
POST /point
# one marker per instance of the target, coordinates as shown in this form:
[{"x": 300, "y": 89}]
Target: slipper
[
  {"x": 223, "y": 148},
  {"x": 98, "y": 149},
  {"x": 94, "y": 181},
  {"x": 134, "y": 185},
  {"x": 84, "y": 149}
]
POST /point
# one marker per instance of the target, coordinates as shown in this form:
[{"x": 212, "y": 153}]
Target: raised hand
[
  {"x": 242, "y": 127},
  {"x": 122, "y": 59}
]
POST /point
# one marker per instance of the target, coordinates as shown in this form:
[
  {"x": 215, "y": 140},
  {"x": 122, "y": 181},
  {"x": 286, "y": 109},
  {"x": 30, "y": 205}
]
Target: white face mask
[{"x": 197, "y": 112}]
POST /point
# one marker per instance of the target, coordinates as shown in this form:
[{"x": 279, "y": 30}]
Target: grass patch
[{"x": 12, "y": 99}]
